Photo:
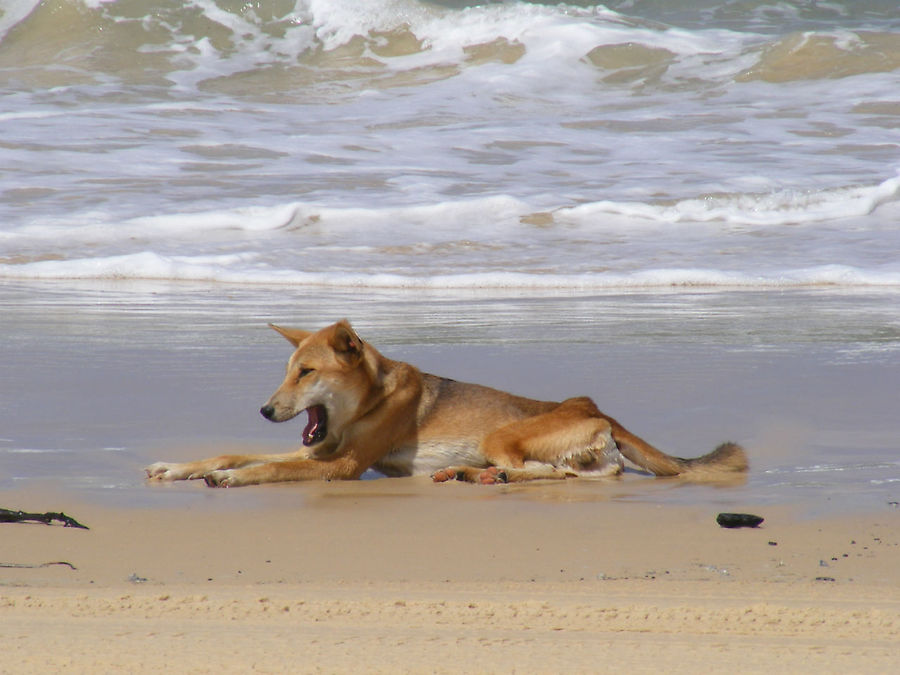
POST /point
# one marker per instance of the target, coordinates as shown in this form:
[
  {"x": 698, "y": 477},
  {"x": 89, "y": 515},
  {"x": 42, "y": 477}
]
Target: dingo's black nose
[{"x": 267, "y": 411}]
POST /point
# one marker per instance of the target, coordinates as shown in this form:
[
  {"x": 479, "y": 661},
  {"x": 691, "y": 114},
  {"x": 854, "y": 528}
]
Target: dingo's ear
[
  {"x": 293, "y": 335},
  {"x": 345, "y": 342}
]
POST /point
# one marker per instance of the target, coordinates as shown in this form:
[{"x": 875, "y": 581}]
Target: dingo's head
[{"x": 327, "y": 377}]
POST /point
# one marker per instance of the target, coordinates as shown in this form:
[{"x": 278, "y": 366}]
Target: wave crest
[
  {"x": 58, "y": 42},
  {"x": 785, "y": 207}
]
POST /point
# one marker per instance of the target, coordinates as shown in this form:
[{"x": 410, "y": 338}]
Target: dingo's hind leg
[
  {"x": 569, "y": 440},
  {"x": 573, "y": 437}
]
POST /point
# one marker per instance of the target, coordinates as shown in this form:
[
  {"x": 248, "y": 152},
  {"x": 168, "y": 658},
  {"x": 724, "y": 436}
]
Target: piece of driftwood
[
  {"x": 26, "y": 566},
  {"x": 10, "y": 516}
]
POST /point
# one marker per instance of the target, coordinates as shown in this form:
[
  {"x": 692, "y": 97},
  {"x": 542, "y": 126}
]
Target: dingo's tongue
[{"x": 316, "y": 425}]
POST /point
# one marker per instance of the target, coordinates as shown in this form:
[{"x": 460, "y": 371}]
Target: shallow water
[{"x": 100, "y": 380}]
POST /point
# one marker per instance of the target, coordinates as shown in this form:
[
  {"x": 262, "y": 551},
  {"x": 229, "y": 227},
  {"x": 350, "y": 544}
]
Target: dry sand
[{"x": 399, "y": 575}]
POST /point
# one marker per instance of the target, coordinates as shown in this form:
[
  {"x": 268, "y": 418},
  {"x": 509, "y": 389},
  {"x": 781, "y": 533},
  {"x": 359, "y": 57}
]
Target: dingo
[{"x": 366, "y": 411}]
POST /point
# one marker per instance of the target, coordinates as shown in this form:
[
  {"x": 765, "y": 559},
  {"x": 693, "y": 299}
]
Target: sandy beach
[
  {"x": 687, "y": 211},
  {"x": 402, "y": 575}
]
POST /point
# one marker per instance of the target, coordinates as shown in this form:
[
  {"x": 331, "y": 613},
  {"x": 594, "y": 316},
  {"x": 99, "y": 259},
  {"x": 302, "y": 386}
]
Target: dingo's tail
[{"x": 727, "y": 458}]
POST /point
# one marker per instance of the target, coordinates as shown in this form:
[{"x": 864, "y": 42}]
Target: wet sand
[{"x": 401, "y": 575}]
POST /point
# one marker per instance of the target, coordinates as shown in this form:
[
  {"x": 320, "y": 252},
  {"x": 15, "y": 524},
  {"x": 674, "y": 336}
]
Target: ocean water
[
  {"x": 401, "y": 143},
  {"x": 689, "y": 210}
]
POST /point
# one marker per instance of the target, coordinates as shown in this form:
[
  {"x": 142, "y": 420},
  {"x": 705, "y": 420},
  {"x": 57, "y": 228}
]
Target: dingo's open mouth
[{"x": 316, "y": 425}]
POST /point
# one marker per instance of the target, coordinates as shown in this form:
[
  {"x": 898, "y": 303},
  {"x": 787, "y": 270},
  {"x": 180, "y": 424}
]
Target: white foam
[
  {"x": 466, "y": 218},
  {"x": 422, "y": 222},
  {"x": 484, "y": 242},
  {"x": 13, "y": 11},
  {"x": 783, "y": 207},
  {"x": 554, "y": 37},
  {"x": 247, "y": 269},
  {"x": 560, "y": 35},
  {"x": 34, "y": 451}
]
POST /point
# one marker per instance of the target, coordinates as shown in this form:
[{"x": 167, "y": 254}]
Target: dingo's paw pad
[
  {"x": 493, "y": 476},
  {"x": 443, "y": 475}
]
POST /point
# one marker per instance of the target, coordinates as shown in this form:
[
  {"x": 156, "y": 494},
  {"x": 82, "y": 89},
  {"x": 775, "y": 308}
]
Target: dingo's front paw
[{"x": 165, "y": 471}]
